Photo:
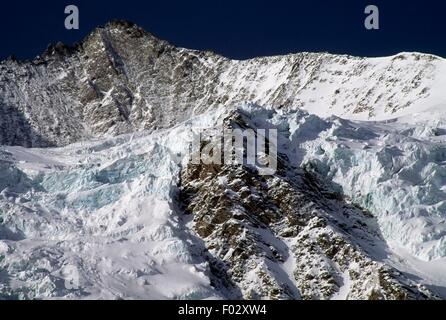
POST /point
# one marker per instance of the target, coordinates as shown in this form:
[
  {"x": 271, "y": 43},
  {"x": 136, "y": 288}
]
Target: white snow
[
  {"x": 396, "y": 170},
  {"x": 354, "y": 88},
  {"x": 104, "y": 209}
]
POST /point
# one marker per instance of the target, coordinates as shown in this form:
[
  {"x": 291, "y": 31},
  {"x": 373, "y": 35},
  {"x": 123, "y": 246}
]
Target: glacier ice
[
  {"x": 107, "y": 208},
  {"x": 395, "y": 170},
  {"x": 104, "y": 209}
]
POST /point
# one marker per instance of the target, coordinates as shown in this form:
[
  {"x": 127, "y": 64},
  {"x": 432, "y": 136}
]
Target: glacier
[
  {"x": 94, "y": 149},
  {"x": 395, "y": 170},
  {"x": 108, "y": 210},
  {"x": 121, "y": 79}
]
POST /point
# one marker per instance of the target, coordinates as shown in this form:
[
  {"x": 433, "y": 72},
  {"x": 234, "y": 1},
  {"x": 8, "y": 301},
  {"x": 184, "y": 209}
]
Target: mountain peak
[
  {"x": 122, "y": 79},
  {"x": 128, "y": 29},
  {"x": 119, "y": 23}
]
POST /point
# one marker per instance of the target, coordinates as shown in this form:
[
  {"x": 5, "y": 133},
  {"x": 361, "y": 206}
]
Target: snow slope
[{"x": 395, "y": 169}]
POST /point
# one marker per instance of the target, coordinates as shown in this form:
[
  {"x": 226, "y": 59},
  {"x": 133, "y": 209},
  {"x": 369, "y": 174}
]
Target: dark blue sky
[{"x": 238, "y": 29}]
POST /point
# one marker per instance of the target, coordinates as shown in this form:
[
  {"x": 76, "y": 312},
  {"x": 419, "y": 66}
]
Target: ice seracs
[{"x": 105, "y": 209}]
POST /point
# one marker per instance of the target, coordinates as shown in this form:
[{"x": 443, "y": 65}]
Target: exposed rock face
[
  {"x": 287, "y": 237},
  {"x": 122, "y": 79}
]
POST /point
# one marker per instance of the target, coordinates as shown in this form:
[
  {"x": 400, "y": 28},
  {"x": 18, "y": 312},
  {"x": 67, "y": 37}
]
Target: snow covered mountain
[
  {"x": 98, "y": 198},
  {"x": 121, "y": 79}
]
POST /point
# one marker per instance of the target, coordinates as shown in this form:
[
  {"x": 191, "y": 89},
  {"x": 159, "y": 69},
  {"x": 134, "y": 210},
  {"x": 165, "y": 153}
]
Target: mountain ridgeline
[{"x": 122, "y": 79}]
